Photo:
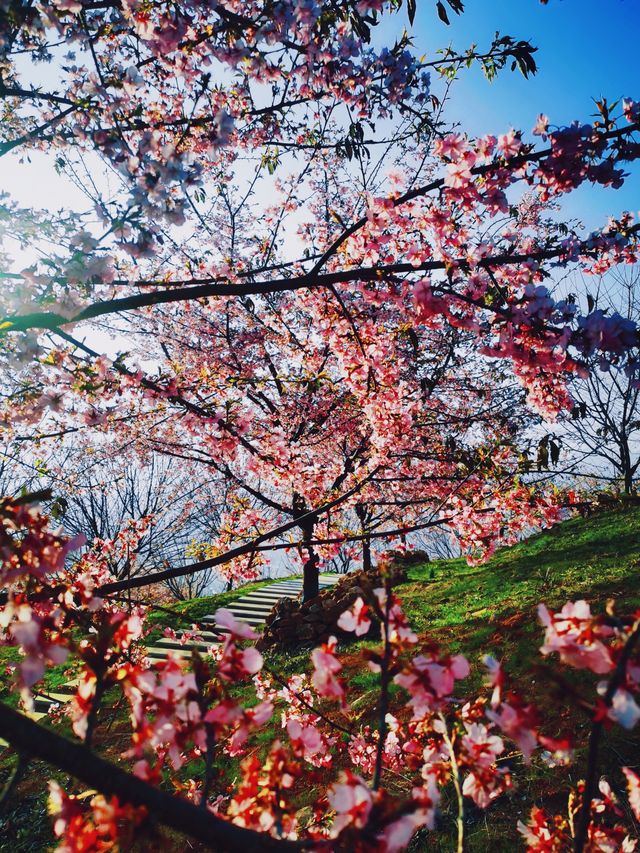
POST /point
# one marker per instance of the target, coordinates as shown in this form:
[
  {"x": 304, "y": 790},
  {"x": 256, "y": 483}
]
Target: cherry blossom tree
[
  {"x": 378, "y": 252},
  {"x": 303, "y": 269}
]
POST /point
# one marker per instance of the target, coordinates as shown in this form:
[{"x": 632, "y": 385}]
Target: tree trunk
[
  {"x": 627, "y": 472},
  {"x": 628, "y": 482},
  {"x": 310, "y": 572},
  {"x": 311, "y": 576},
  {"x": 366, "y": 554},
  {"x": 361, "y": 512}
]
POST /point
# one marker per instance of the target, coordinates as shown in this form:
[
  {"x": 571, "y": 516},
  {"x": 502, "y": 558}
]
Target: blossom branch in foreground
[
  {"x": 618, "y": 678},
  {"x": 167, "y": 809}
]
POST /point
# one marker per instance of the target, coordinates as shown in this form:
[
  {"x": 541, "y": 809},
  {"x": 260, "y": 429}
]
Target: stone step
[
  {"x": 43, "y": 701},
  {"x": 176, "y": 645},
  {"x": 265, "y": 598},
  {"x": 241, "y": 615},
  {"x": 256, "y": 606},
  {"x": 155, "y": 652},
  {"x": 271, "y": 593},
  {"x": 241, "y": 606},
  {"x": 279, "y": 593},
  {"x": 61, "y": 694},
  {"x": 249, "y": 620},
  {"x": 277, "y": 589},
  {"x": 250, "y": 616},
  {"x": 207, "y": 636}
]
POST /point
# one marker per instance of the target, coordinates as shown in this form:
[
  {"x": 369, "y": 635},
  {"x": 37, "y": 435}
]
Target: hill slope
[
  {"x": 492, "y": 609},
  {"x": 594, "y": 558},
  {"x": 473, "y": 610}
]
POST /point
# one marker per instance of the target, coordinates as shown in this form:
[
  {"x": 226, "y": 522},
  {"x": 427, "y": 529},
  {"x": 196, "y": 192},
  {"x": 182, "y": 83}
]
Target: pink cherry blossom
[
  {"x": 575, "y": 635},
  {"x": 352, "y": 801},
  {"x": 225, "y": 619},
  {"x": 355, "y": 619},
  {"x": 633, "y": 788},
  {"x": 325, "y": 668}
]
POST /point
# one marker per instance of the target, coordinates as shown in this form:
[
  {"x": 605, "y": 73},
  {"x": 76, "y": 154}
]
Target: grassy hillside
[
  {"x": 490, "y": 608},
  {"x": 473, "y": 608}
]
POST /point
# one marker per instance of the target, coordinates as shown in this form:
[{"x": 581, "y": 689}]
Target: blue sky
[{"x": 587, "y": 48}]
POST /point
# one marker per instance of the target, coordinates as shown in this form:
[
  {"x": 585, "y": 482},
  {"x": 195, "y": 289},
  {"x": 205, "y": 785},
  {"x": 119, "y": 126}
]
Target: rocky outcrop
[
  {"x": 293, "y": 624},
  {"x": 415, "y": 557}
]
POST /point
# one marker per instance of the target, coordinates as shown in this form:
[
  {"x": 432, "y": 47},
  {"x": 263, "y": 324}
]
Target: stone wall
[{"x": 293, "y": 624}]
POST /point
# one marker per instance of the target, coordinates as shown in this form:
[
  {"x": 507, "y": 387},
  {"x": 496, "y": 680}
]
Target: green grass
[
  {"x": 595, "y": 558},
  {"x": 492, "y": 609}
]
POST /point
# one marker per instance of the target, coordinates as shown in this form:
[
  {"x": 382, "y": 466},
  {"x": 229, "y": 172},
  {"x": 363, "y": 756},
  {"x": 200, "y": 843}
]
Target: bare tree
[
  {"x": 439, "y": 544},
  {"x": 100, "y": 501},
  {"x": 604, "y": 426},
  {"x": 18, "y": 472},
  {"x": 191, "y": 586},
  {"x": 344, "y": 560}
]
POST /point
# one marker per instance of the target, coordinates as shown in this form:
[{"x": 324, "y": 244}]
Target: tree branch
[
  {"x": 167, "y": 809},
  {"x": 186, "y": 290}
]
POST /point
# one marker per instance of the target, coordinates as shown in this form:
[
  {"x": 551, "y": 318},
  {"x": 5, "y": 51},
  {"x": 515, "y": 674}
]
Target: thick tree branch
[
  {"x": 167, "y": 809},
  {"x": 186, "y": 290}
]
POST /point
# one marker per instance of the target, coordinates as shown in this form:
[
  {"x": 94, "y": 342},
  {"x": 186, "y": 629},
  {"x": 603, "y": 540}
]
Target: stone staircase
[{"x": 252, "y": 608}]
